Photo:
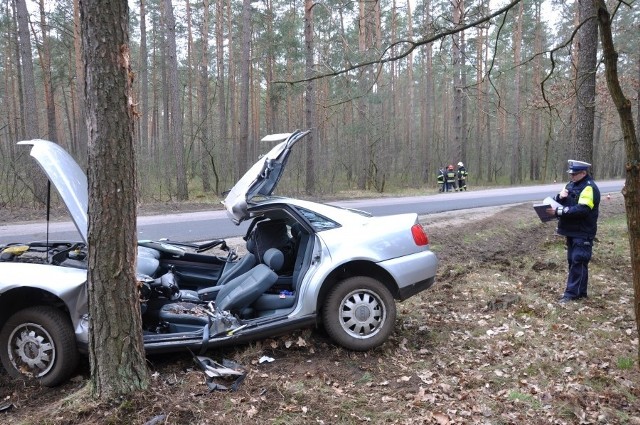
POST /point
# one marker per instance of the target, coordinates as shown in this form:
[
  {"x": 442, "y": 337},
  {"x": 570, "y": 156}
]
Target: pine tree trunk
[
  {"x": 45, "y": 64},
  {"x": 81, "y": 142},
  {"x": 454, "y": 151},
  {"x": 245, "y": 88},
  {"x": 29, "y": 86},
  {"x": 310, "y": 100},
  {"x": 586, "y": 80},
  {"x": 222, "y": 106},
  {"x": 116, "y": 351},
  {"x": 203, "y": 97},
  {"x": 20, "y": 131},
  {"x": 175, "y": 111},
  {"x": 30, "y": 116},
  {"x": 481, "y": 117},
  {"x": 516, "y": 153},
  {"x": 535, "y": 142},
  {"x": 270, "y": 98},
  {"x": 464, "y": 116},
  {"x": 144, "y": 148},
  {"x": 430, "y": 101}
]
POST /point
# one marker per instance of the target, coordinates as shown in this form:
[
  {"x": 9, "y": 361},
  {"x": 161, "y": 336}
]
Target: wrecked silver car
[{"x": 306, "y": 264}]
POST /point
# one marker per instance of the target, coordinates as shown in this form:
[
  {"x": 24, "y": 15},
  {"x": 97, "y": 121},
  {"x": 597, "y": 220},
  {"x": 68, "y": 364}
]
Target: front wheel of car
[
  {"x": 38, "y": 343},
  {"x": 359, "y": 313}
]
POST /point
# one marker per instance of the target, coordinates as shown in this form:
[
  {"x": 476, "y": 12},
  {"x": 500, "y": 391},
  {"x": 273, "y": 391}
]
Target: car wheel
[
  {"x": 38, "y": 343},
  {"x": 359, "y": 313}
]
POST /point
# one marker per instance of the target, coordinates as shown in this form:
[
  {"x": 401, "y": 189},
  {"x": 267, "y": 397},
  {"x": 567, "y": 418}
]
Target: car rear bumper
[
  {"x": 413, "y": 273},
  {"x": 411, "y": 290}
]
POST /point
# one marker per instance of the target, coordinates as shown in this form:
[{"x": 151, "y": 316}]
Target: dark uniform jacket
[
  {"x": 579, "y": 218},
  {"x": 462, "y": 173},
  {"x": 450, "y": 176}
]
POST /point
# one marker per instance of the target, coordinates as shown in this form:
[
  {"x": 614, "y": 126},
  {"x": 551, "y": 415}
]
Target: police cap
[{"x": 577, "y": 166}]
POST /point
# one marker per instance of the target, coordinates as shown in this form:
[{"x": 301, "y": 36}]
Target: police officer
[
  {"x": 450, "y": 179},
  {"x": 462, "y": 177},
  {"x": 578, "y": 217}
]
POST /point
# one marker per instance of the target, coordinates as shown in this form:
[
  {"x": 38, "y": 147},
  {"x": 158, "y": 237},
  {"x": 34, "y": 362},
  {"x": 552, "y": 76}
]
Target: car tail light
[{"x": 419, "y": 235}]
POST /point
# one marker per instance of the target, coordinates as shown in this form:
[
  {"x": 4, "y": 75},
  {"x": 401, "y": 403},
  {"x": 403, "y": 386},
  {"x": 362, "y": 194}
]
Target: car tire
[
  {"x": 359, "y": 313},
  {"x": 38, "y": 343}
]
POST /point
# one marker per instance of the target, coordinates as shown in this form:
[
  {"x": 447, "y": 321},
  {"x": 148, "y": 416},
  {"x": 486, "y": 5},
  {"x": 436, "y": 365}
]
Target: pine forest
[{"x": 393, "y": 90}]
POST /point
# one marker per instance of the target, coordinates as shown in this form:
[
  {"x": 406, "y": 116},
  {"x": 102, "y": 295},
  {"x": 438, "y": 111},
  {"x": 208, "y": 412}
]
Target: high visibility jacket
[{"x": 579, "y": 217}]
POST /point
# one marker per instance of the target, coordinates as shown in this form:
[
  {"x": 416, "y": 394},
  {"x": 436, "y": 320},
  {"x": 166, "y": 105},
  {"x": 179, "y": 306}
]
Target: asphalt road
[{"x": 200, "y": 226}]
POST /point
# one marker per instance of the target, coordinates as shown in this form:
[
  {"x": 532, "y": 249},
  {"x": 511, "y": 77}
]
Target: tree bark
[
  {"x": 631, "y": 190},
  {"x": 310, "y": 100},
  {"x": 587, "y": 51},
  {"x": 45, "y": 62},
  {"x": 245, "y": 88},
  {"x": 20, "y": 129},
  {"x": 116, "y": 350},
  {"x": 81, "y": 136},
  {"x": 143, "y": 84},
  {"x": 535, "y": 141},
  {"x": 455, "y": 149},
  {"x": 203, "y": 97},
  {"x": 29, "y": 85},
  {"x": 220, "y": 85},
  {"x": 30, "y": 116},
  {"x": 174, "y": 111},
  {"x": 270, "y": 99},
  {"x": 480, "y": 111},
  {"x": 516, "y": 166},
  {"x": 188, "y": 104}
]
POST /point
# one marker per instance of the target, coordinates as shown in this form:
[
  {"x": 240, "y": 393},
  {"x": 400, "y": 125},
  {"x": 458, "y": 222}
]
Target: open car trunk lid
[{"x": 263, "y": 177}]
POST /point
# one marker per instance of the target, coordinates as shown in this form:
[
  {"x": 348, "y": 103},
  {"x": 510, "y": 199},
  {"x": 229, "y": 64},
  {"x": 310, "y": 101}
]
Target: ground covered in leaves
[{"x": 488, "y": 344}]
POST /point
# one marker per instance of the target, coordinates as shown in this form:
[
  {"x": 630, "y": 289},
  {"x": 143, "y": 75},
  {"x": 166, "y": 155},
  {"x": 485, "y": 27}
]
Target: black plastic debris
[
  {"x": 221, "y": 377},
  {"x": 6, "y": 406}
]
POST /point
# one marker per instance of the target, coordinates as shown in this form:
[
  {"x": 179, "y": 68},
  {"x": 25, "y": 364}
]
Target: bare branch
[{"x": 411, "y": 46}]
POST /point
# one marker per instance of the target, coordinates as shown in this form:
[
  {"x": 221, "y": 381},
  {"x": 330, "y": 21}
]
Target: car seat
[
  {"x": 246, "y": 263},
  {"x": 183, "y": 316},
  {"x": 273, "y": 234},
  {"x": 243, "y": 290},
  {"x": 270, "y": 303},
  {"x": 148, "y": 261}
]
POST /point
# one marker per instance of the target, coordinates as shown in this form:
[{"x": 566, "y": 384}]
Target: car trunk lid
[{"x": 263, "y": 177}]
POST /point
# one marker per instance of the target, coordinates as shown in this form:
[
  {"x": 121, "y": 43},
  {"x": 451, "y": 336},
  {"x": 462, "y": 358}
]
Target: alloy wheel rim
[
  {"x": 31, "y": 350},
  {"x": 362, "y": 314}
]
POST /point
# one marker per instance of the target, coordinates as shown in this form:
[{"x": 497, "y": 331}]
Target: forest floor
[{"x": 488, "y": 344}]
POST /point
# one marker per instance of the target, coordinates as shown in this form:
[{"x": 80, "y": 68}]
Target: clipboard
[{"x": 541, "y": 209}]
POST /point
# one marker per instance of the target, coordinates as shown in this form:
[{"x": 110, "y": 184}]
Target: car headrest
[{"x": 274, "y": 259}]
